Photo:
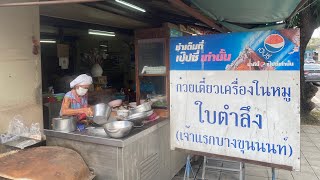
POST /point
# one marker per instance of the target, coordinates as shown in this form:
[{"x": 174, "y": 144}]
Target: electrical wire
[{"x": 306, "y": 6}]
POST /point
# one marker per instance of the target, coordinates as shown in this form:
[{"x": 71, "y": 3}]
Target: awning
[{"x": 253, "y": 14}]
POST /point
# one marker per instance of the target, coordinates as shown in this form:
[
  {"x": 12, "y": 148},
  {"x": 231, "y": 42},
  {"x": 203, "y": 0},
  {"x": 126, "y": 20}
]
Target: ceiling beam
[
  {"x": 65, "y": 23},
  {"x": 159, "y": 14},
  {"x": 154, "y": 16},
  {"x": 56, "y": 37},
  {"x": 37, "y": 3},
  {"x": 164, "y": 13},
  {"x": 171, "y": 17},
  {"x": 194, "y": 13},
  {"x": 165, "y": 16},
  {"x": 111, "y": 8}
]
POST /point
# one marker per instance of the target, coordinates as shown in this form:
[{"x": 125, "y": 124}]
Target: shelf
[
  {"x": 152, "y": 75},
  {"x": 159, "y": 107}
]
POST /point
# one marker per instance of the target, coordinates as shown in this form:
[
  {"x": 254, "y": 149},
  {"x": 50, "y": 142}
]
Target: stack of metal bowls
[
  {"x": 140, "y": 113},
  {"x": 115, "y": 129}
]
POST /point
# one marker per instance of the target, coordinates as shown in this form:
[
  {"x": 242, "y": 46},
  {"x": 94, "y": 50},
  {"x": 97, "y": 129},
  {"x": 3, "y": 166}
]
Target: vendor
[{"x": 75, "y": 102}]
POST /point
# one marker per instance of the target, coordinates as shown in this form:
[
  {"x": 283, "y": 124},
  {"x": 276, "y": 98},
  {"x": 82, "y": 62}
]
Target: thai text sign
[{"x": 237, "y": 95}]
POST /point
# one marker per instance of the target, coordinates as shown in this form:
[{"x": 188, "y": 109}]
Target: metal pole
[
  {"x": 244, "y": 171},
  {"x": 241, "y": 171},
  {"x": 45, "y": 2},
  {"x": 188, "y": 165},
  {"x": 273, "y": 173},
  {"x": 204, "y": 166},
  {"x": 187, "y": 170}
]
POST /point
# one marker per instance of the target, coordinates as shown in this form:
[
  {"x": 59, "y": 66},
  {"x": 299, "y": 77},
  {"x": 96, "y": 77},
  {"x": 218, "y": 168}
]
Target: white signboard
[{"x": 237, "y": 95}]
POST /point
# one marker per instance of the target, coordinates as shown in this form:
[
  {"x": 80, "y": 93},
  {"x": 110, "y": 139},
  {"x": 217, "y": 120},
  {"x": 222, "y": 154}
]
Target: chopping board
[{"x": 49, "y": 163}]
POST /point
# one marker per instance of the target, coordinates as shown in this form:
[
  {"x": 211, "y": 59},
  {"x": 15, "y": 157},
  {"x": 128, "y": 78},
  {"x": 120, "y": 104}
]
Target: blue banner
[{"x": 261, "y": 50}]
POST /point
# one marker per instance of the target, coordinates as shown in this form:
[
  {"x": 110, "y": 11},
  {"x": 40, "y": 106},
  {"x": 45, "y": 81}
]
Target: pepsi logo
[{"x": 274, "y": 43}]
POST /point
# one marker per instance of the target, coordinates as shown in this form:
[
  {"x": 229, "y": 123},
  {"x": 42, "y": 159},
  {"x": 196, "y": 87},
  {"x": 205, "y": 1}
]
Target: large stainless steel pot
[
  {"x": 64, "y": 124},
  {"x": 118, "y": 129},
  {"x": 101, "y": 113}
]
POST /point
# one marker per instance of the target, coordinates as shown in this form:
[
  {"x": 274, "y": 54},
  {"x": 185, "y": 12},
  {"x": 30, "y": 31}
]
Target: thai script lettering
[
  {"x": 222, "y": 56},
  {"x": 242, "y": 145},
  {"x": 189, "y": 52},
  {"x": 241, "y": 119},
  {"x": 235, "y": 89},
  {"x": 270, "y": 64},
  {"x": 288, "y": 63},
  {"x": 264, "y": 53},
  {"x": 190, "y": 46},
  {"x": 191, "y": 57}
]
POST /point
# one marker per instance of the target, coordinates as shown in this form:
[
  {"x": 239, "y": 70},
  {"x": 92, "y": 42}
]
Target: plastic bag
[
  {"x": 7, "y": 138},
  {"x": 35, "y": 132},
  {"x": 18, "y": 127}
]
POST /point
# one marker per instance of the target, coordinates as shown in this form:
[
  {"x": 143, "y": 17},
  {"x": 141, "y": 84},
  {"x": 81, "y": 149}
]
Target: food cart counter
[{"x": 144, "y": 154}]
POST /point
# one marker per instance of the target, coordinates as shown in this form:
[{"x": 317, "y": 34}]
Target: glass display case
[
  {"x": 152, "y": 66},
  {"x": 151, "y": 54}
]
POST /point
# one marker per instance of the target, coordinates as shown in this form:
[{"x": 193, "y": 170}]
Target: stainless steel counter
[
  {"x": 85, "y": 136},
  {"x": 145, "y": 154}
]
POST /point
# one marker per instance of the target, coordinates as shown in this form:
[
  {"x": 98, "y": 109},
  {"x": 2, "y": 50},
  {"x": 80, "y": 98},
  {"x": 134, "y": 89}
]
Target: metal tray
[{"x": 22, "y": 142}]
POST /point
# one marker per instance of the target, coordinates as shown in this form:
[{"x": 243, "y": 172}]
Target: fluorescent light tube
[
  {"x": 279, "y": 22},
  {"x": 47, "y": 41},
  {"x": 102, "y": 45},
  {"x": 101, "y": 33},
  {"x": 131, "y": 5}
]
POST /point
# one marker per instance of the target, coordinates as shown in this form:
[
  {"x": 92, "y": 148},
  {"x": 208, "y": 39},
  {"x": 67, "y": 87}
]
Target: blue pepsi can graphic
[
  {"x": 268, "y": 50},
  {"x": 272, "y": 46}
]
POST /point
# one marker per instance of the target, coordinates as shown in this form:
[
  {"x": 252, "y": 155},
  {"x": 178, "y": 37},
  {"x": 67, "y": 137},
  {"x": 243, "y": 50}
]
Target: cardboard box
[{"x": 63, "y": 50}]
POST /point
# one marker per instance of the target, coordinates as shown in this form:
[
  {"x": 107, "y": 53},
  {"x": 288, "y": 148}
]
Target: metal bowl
[
  {"x": 115, "y": 103},
  {"x": 101, "y": 113},
  {"x": 141, "y": 108},
  {"x": 118, "y": 129},
  {"x": 96, "y": 131},
  {"x": 137, "y": 118}
]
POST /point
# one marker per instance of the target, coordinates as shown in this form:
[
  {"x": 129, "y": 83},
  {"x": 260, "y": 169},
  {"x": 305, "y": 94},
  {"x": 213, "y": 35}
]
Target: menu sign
[{"x": 237, "y": 95}]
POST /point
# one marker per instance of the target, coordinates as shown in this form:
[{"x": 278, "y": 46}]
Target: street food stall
[
  {"x": 142, "y": 151},
  {"x": 129, "y": 137}
]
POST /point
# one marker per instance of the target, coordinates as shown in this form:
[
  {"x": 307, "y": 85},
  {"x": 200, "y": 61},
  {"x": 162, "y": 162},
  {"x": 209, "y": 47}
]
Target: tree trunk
[{"x": 308, "y": 90}]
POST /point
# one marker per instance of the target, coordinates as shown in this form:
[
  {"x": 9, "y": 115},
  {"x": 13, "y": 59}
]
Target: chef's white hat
[{"x": 82, "y": 79}]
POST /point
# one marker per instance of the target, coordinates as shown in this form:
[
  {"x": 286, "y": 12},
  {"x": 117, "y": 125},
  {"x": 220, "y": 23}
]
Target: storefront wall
[{"x": 20, "y": 69}]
